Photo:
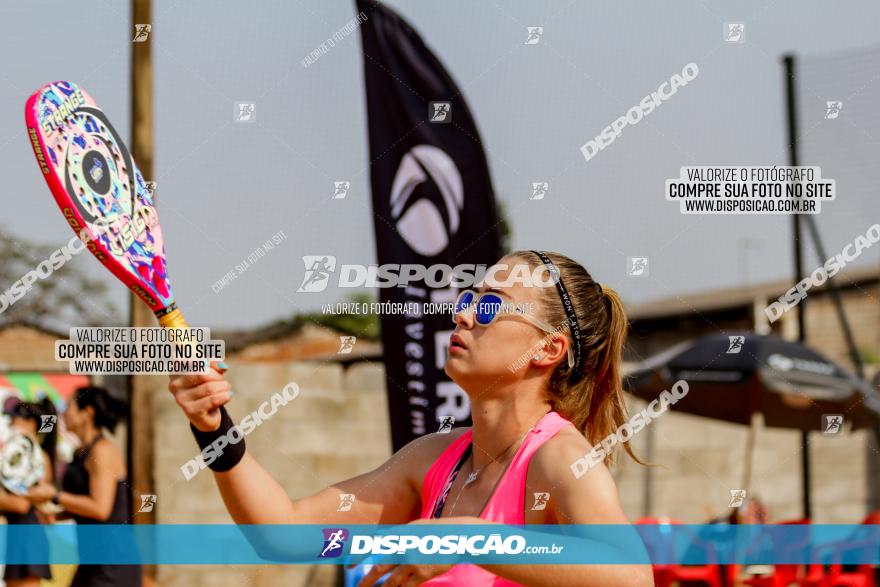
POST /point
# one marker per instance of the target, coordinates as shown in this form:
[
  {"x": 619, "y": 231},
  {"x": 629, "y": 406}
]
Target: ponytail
[
  {"x": 592, "y": 400},
  {"x": 607, "y": 404}
]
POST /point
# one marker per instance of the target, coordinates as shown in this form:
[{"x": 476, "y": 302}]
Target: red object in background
[
  {"x": 782, "y": 575},
  {"x": 665, "y": 575},
  {"x": 811, "y": 575},
  {"x": 31, "y": 386},
  {"x": 862, "y": 575}
]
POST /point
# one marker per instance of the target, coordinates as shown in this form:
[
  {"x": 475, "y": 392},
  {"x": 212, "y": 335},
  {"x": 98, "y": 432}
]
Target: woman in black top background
[
  {"x": 26, "y": 419},
  {"x": 94, "y": 488}
]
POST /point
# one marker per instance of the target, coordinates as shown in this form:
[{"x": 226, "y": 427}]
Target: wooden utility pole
[{"x": 143, "y": 387}]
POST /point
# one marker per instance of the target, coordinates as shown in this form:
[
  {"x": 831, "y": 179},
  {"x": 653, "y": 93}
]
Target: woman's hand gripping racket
[{"x": 101, "y": 193}]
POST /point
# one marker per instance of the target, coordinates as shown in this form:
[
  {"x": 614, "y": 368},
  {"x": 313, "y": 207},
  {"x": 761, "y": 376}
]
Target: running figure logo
[
  {"x": 541, "y": 499},
  {"x": 147, "y": 503},
  {"x": 736, "y": 344},
  {"x": 446, "y": 425},
  {"x": 346, "y": 344},
  {"x": 141, "y": 32},
  {"x": 539, "y": 190},
  {"x": 637, "y": 266},
  {"x": 318, "y": 270},
  {"x": 47, "y": 424},
  {"x": 346, "y": 500},
  {"x": 535, "y": 33},
  {"x": 832, "y": 423},
  {"x": 737, "y": 497},
  {"x": 832, "y": 109},
  {"x": 342, "y": 188},
  {"x": 245, "y": 112},
  {"x": 334, "y": 542},
  {"x": 440, "y": 112},
  {"x": 735, "y": 32}
]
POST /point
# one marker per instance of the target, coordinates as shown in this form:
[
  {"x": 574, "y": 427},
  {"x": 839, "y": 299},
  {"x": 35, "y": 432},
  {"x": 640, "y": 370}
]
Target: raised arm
[{"x": 386, "y": 495}]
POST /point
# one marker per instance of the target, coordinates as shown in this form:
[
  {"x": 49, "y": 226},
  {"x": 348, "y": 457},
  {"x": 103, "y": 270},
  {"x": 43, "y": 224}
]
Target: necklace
[{"x": 474, "y": 474}]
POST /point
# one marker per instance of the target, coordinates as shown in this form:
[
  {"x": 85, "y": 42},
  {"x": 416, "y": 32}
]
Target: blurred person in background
[
  {"x": 27, "y": 418},
  {"x": 94, "y": 488}
]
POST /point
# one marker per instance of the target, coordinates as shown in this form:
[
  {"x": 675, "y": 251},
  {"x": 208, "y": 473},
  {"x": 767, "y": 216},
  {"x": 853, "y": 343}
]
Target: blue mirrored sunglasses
[{"x": 489, "y": 305}]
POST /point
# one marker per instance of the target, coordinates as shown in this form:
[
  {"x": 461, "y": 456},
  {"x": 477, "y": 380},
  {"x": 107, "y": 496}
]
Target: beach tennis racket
[
  {"x": 21, "y": 461},
  {"x": 101, "y": 193}
]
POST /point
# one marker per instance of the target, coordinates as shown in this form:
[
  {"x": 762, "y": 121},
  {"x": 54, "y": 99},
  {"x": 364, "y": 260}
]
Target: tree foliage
[{"x": 65, "y": 297}]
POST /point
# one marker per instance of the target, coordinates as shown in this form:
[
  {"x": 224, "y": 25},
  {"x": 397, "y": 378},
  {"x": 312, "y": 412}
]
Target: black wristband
[{"x": 226, "y": 452}]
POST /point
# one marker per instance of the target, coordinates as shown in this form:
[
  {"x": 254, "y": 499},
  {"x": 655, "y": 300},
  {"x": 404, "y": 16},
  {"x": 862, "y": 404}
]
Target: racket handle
[{"x": 173, "y": 319}]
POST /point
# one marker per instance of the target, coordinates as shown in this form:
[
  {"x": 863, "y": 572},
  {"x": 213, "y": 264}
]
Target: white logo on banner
[{"x": 421, "y": 225}]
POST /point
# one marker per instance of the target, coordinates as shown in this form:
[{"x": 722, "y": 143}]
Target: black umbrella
[{"x": 732, "y": 377}]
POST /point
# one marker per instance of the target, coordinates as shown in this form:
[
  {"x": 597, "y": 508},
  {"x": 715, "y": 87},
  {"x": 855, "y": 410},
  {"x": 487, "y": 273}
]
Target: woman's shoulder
[
  {"x": 581, "y": 494},
  {"x": 420, "y": 454},
  {"x": 430, "y": 446},
  {"x": 103, "y": 453},
  {"x": 557, "y": 456}
]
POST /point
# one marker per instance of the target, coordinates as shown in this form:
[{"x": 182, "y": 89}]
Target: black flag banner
[{"x": 432, "y": 204}]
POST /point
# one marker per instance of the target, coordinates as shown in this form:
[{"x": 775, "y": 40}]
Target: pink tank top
[{"x": 506, "y": 504}]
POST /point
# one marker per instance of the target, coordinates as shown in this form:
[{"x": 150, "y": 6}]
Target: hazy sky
[{"x": 224, "y": 187}]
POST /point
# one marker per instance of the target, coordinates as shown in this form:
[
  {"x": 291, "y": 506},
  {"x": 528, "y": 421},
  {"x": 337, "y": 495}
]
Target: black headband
[{"x": 569, "y": 312}]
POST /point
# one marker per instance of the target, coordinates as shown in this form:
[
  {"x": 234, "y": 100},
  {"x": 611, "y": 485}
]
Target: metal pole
[{"x": 789, "y": 62}]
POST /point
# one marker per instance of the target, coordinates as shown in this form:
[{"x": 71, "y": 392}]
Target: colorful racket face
[
  {"x": 99, "y": 189},
  {"x": 21, "y": 463}
]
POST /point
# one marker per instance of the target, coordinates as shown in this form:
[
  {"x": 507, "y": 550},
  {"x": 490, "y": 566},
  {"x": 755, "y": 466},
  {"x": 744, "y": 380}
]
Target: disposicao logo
[{"x": 334, "y": 542}]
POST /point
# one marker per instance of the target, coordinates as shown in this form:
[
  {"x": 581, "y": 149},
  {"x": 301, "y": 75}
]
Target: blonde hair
[{"x": 594, "y": 402}]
